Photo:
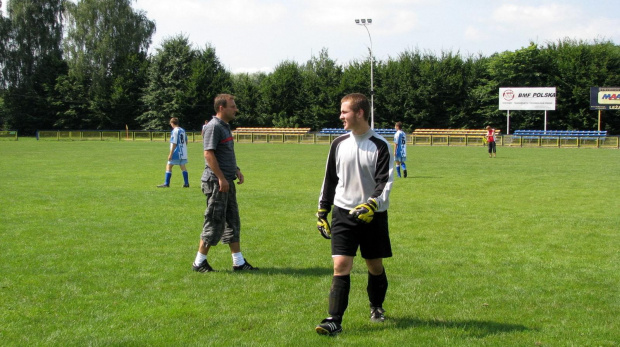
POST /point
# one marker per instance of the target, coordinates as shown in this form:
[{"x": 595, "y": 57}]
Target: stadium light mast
[{"x": 366, "y": 23}]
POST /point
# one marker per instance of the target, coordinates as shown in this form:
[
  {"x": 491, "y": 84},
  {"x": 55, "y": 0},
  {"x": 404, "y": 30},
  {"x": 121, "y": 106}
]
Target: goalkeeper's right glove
[
  {"x": 364, "y": 213},
  {"x": 322, "y": 224}
]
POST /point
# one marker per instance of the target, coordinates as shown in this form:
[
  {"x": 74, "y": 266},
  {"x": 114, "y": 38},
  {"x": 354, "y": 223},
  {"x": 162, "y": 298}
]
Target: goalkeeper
[{"x": 357, "y": 183}]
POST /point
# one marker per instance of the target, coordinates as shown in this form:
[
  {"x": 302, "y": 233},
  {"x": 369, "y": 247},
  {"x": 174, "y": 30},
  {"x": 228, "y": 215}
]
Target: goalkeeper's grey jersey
[{"x": 358, "y": 167}]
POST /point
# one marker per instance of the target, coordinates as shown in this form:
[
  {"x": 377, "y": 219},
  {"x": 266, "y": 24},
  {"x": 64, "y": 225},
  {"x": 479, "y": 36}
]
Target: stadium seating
[
  {"x": 338, "y": 131},
  {"x": 454, "y": 132},
  {"x": 583, "y": 134},
  {"x": 293, "y": 131}
]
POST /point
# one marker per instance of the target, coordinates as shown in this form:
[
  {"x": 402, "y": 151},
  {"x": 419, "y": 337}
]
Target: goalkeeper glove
[
  {"x": 365, "y": 212},
  {"x": 322, "y": 224}
]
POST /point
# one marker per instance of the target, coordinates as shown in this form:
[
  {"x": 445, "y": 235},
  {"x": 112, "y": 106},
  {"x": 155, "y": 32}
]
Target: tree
[
  {"x": 31, "y": 60},
  {"x": 166, "y": 93},
  {"x": 283, "y": 96},
  {"x": 105, "y": 48},
  {"x": 183, "y": 82},
  {"x": 208, "y": 78},
  {"x": 481, "y": 103},
  {"x": 577, "y": 66},
  {"x": 323, "y": 90},
  {"x": 526, "y": 67},
  {"x": 246, "y": 88}
]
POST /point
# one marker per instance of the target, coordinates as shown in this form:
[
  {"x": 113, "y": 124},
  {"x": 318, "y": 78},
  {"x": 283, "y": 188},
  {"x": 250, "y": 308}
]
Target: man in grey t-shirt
[{"x": 222, "y": 214}]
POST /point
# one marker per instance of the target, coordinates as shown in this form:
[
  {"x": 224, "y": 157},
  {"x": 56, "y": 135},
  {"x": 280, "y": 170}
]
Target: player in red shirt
[{"x": 490, "y": 137}]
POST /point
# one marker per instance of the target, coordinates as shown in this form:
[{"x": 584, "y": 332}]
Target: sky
[{"x": 257, "y": 35}]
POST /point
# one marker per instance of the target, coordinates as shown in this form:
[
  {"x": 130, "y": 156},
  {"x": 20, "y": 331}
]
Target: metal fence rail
[
  {"x": 8, "y": 135},
  {"x": 320, "y": 138},
  {"x": 110, "y": 135}
]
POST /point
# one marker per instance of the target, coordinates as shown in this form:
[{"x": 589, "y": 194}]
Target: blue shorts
[
  {"x": 177, "y": 162},
  {"x": 400, "y": 159}
]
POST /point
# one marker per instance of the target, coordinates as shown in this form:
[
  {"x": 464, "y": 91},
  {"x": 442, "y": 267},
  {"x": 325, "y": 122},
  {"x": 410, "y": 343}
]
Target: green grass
[{"x": 521, "y": 250}]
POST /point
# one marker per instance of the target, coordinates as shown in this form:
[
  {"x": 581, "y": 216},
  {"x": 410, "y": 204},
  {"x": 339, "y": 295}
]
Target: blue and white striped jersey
[
  {"x": 178, "y": 137},
  {"x": 400, "y": 139}
]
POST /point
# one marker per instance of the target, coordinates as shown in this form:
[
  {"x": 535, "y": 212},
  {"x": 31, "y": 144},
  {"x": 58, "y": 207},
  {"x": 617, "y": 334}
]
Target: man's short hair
[
  {"x": 174, "y": 120},
  {"x": 222, "y": 100},
  {"x": 358, "y": 101},
  {"x": 399, "y": 125}
]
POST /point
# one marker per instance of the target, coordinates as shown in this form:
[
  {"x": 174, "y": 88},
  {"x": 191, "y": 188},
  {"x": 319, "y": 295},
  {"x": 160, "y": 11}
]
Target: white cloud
[
  {"x": 245, "y": 12},
  {"x": 590, "y": 29},
  {"x": 534, "y": 16},
  {"x": 394, "y": 16},
  {"x": 256, "y": 35},
  {"x": 474, "y": 34},
  {"x": 550, "y": 22}
]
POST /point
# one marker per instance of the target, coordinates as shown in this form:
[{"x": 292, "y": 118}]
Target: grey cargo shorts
[{"x": 222, "y": 214}]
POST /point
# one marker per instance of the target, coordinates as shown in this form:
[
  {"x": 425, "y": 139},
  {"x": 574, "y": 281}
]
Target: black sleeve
[
  {"x": 326, "y": 200},
  {"x": 382, "y": 172}
]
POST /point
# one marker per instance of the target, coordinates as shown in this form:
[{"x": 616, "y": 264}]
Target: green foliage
[
  {"x": 208, "y": 78},
  {"x": 104, "y": 79},
  {"x": 283, "y": 96},
  {"x": 513, "y": 251},
  {"x": 182, "y": 82},
  {"x": 105, "y": 49},
  {"x": 578, "y": 66},
  {"x": 322, "y": 77},
  {"x": 246, "y": 88},
  {"x": 398, "y": 95},
  {"x": 31, "y": 60},
  {"x": 165, "y": 95}
]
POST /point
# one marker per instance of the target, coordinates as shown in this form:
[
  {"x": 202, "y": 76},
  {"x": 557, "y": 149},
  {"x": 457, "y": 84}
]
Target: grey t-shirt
[{"x": 219, "y": 138}]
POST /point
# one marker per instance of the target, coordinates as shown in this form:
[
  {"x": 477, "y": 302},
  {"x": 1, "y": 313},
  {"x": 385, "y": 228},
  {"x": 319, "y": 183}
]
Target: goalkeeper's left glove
[
  {"x": 365, "y": 212},
  {"x": 322, "y": 224}
]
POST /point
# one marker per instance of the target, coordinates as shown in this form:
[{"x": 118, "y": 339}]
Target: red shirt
[{"x": 491, "y": 135}]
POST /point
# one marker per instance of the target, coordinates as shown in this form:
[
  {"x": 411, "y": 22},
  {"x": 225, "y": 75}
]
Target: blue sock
[
  {"x": 186, "y": 177},
  {"x": 168, "y": 175},
  {"x": 403, "y": 166},
  {"x": 398, "y": 170}
]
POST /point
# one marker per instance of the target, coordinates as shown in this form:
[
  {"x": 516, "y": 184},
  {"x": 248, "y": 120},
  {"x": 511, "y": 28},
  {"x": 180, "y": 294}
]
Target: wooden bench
[{"x": 292, "y": 131}]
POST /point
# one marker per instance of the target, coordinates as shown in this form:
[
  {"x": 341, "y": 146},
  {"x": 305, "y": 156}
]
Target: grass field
[{"x": 521, "y": 250}]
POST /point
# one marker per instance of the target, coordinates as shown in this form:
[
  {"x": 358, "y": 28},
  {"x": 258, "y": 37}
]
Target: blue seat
[
  {"x": 572, "y": 134},
  {"x": 333, "y": 131},
  {"x": 342, "y": 131}
]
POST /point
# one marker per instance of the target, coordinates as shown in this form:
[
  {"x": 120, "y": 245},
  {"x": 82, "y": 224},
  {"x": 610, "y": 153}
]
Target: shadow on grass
[
  {"x": 313, "y": 271},
  {"x": 473, "y": 328}
]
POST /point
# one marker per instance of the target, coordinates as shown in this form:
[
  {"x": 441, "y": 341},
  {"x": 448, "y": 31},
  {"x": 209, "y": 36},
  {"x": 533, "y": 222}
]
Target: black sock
[
  {"x": 377, "y": 287},
  {"x": 339, "y": 296}
]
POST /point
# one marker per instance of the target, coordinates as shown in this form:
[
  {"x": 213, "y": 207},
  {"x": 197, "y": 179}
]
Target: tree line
[{"x": 86, "y": 65}]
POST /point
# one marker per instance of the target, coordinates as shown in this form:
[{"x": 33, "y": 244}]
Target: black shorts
[{"x": 373, "y": 239}]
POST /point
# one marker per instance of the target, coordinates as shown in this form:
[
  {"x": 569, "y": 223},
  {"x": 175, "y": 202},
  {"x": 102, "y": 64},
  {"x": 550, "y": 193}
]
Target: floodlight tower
[{"x": 366, "y": 23}]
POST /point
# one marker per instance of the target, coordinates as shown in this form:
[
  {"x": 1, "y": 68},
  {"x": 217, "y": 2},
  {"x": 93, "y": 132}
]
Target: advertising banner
[
  {"x": 605, "y": 98},
  {"x": 527, "y": 99}
]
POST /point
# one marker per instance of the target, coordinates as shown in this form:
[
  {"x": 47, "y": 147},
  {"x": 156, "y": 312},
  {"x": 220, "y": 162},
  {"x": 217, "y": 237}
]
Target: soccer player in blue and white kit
[
  {"x": 178, "y": 153},
  {"x": 400, "y": 149}
]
